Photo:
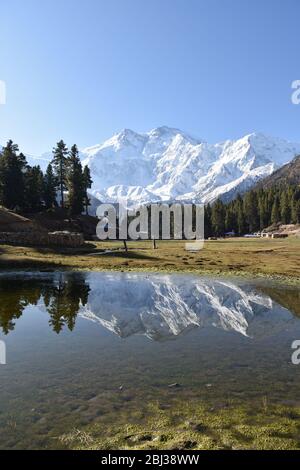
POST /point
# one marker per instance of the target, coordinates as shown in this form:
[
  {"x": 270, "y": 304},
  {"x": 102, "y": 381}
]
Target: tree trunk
[{"x": 125, "y": 246}]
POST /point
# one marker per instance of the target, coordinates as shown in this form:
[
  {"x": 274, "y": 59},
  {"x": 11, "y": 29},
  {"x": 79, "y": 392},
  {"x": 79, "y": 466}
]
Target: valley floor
[{"x": 278, "y": 259}]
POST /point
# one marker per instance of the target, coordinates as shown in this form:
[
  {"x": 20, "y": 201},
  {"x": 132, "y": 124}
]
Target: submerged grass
[{"x": 195, "y": 426}]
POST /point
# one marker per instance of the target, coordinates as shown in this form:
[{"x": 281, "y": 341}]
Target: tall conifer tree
[
  {"x": 12, "y": 167},
  {"x": 87, "y": 181},
  {"x": 75, "y": 182},
  {"x": 59, "y": 163},
  {"x": 49, "y": 188}
]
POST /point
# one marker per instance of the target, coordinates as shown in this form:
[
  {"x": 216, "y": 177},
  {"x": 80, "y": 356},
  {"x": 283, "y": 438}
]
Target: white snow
[{"x": 167, "y": 164}]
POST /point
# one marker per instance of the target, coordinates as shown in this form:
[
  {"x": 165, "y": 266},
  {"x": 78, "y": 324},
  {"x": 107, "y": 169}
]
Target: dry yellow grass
[{"x": 243, "y": 257}]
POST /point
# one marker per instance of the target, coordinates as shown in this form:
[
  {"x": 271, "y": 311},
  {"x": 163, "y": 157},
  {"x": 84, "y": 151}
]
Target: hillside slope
[
  {"x": 287, "y": 174},
  {"x": 56, "y": 220},
  {"x": 12, "y": 222}
]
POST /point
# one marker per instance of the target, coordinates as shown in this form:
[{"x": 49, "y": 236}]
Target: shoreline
[{"x": 289, "y": 281}]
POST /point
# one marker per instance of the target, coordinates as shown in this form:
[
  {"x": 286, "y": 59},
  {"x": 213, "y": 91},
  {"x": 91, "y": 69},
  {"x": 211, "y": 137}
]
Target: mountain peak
[
  {"x": 167, "y": 164},
  {"x": 172, "y": 132},
  {"x": 126, "y": 133},
  {"x": 164, "y": 130}
]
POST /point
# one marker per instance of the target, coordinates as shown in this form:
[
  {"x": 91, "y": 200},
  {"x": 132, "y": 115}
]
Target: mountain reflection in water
[{"x": 158, "y": 306}]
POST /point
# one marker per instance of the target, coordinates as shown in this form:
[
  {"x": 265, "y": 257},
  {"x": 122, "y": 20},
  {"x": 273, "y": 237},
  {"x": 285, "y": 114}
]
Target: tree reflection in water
[{"x": 62, "y": 297}]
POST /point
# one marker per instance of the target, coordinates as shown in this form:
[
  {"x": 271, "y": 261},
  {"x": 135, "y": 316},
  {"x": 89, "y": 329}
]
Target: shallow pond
[{"x": 86, "y": 348}]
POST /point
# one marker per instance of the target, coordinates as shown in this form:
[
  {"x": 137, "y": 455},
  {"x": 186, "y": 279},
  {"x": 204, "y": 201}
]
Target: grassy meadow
[{"x": 278, "y": 259}]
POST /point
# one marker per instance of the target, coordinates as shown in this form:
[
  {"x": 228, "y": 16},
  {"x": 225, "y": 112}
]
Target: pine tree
[
  {"x": 262, "y": 210},
  {"x": 207, "y": 222},
  {"x": 285, "y": 210},
  {"x": 33, "y": 194},
  {"x": 295, "y": 210},
  {"x": 87, "y": 182},
  {"x": 251, "y": 211},
  {"x": 59, "y": 163},
  {"x": 12, "y": 167},
  {"x": 230, "y": 219},
  {"x": 49, "y": 188},
  {"x": 241, "y": 220},
  {"x": 75, "y": 182},
  {"x": 275, "y": 215},
  {"x": 218, "y": 218}
]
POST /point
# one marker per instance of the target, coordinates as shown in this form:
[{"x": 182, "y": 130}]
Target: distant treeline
[
  {"x": 256, "y": 210},
  {"x": 26, "y": 188}
]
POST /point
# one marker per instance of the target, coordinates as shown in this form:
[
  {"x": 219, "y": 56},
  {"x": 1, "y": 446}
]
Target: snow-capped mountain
[
  {"x": 167, "y": 164},
  {"x": 162, "y": 306}
]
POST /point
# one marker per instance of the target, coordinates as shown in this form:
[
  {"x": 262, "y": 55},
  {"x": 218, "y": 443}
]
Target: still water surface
[{"x": 83, "y": 346}]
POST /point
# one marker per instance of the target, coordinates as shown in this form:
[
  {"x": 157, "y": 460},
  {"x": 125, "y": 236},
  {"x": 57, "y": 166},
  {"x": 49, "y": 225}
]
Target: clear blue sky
[{"x": 84, "y": 69}]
